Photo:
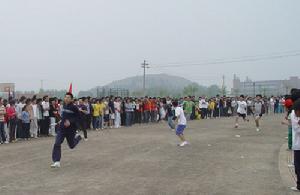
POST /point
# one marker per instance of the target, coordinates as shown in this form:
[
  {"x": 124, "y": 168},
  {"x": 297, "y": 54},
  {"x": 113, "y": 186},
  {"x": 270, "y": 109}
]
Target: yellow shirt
[
  {"x": 212, "y": 105},
  {"x": 102, "y": 107},
  {"x": 97, "y": 108}
]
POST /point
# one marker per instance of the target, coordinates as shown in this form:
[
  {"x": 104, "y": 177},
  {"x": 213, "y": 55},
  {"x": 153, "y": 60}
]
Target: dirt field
[{"x": 146, "y": 160}]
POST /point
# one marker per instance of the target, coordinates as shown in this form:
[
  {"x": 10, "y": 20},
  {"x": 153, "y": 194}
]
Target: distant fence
[{"x": 117, "y": 92}]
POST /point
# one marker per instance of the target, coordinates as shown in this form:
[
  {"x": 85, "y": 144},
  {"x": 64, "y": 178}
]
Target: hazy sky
[{"x": 93, "y": 42}]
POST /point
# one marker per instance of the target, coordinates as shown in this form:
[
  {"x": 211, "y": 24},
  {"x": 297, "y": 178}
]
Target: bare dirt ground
[{"x": 146, "y": 160}]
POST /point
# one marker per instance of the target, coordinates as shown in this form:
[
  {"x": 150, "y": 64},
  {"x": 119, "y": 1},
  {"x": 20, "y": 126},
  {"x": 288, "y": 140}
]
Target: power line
[
  {"x": 233, "y": 60},
  {"x": 241, "y": 57}
]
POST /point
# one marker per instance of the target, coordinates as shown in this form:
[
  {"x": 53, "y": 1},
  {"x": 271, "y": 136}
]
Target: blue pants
[
  {"x": 171, "y": 122},
  {"x": 146, "y": 116},
  {"x": 180, "y": 129},
  {"x": 96, "y": 122},
  {"x": 60, "y": 137},
  {"x": 128, "y": 121},
  {"x": 297, "y": 166}
]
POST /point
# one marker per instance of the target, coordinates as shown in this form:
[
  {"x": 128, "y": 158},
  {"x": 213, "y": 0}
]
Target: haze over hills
[
  {"x": 152, "y": 81},
  {"x": 156, "y": 85}
]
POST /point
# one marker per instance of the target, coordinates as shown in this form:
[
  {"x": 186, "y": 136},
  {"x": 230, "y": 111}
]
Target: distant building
[
  {"x": 7, "y": 89},
  {"x": 266, "y": 88}
]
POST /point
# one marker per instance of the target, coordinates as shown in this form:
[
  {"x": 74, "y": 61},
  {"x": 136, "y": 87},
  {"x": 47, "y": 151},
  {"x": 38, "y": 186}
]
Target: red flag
[{"x": 71, "y": 88}]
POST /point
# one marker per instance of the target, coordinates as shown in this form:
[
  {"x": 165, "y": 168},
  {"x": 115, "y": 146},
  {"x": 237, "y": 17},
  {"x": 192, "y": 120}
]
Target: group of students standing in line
[
  {"x": 38, "y": 117},
  {"x": 27, "y": 118}
]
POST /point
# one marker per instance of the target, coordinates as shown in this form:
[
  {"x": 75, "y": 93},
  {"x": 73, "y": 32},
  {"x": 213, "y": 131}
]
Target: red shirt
[
  {"x": 153, "y": 105},
  {"x": 147, "y": 106},
  {"x": 11, "y": 112}
]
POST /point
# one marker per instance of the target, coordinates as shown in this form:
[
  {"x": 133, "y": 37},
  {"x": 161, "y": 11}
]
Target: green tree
[
  {"x": 213, "y": 90},
  {"x": 191, "y": 89}
]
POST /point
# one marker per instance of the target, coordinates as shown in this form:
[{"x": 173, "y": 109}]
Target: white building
[{"x": 266, "y": 88}]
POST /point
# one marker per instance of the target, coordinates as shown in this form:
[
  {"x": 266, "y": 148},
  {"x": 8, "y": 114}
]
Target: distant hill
[
  {"x": 156, "y": 85},
  {"x": 152, "y": 81}
]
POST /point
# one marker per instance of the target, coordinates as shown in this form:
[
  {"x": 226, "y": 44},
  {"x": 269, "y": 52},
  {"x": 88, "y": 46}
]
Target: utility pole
[
  {"x": 223, "y": 86},
  {"x": 42, "y": 86},
  {"x": 144, "y": 66},
  {"x": 254, "y": 89}
]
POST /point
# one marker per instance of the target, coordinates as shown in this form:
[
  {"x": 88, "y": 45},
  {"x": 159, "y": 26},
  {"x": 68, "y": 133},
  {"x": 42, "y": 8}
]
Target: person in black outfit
[{"x": 67, "y": 129}]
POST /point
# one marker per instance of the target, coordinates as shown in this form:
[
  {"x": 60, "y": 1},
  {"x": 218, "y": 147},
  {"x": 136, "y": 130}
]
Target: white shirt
[
  {"x": 19, "y": 109},
  {"x": 272, "y": 101},
  {"x": 34, "y": 108},
  {"x": 242, "y": 107},
  {"x": 296, "y": 131},
  {"x": 117, "y": 106},
  {"x": 203, "y": 103},
  {"x": 233, "y": 103},
  {"x": 249, "y": 102},
  {"x": 180, "y": 115},
  {"x": 46, "y": 105}
]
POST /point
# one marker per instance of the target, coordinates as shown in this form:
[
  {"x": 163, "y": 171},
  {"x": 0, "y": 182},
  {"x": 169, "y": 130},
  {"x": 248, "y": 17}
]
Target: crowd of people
[{"x": 30, "y": 118}]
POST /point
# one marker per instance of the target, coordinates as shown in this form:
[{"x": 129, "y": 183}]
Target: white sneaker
[
  {"x": 78, "y": 136},
  {"x": 55, "y": 165},
  {"x": 183, "y": 144},
  {"x": 6, "y": 142},
  {"x": 291, "y": 166},
  {"x": 86, "y": 139},
  {"x": 257, "y": 129},
  {"x": 295, "y": 189}
]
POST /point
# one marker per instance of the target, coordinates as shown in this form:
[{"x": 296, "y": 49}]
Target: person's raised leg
[{"x": 73, "y": 139}]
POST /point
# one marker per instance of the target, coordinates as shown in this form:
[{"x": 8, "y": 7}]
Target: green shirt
[{"x": 188, "y": 107}]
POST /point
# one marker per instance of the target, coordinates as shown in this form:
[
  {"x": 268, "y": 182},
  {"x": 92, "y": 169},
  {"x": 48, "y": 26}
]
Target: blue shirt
[{"x": 25, "y": 117}]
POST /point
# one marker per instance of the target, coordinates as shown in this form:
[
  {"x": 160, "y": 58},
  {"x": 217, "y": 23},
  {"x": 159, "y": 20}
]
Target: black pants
[
  {"x": 40, "y": 122},
  {"x": 2, "y": 133},
  {"x": 203, "y": 113},
  {"x": 12, "y": 129},
  {"x": 45, "y": 126},
  {"x": 297, "y": 166},
  {"x": 61, "y": 135},
  {"x": 19, "y": 128},
  {"x": 88, "y": 121},
  {"x": 138, "y": 117},
  {"x": 26, "y": 131},
  {"x": 83, "y": 124}
]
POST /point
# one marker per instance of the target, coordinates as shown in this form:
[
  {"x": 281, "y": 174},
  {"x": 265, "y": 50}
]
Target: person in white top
[
  {"x": 295, "y": 121},
  {"x": 34, "y": 120},
  {"x": 117, "y": 105},
  {"x": 46, "y": 120},
  {"x": 203, "y": 105},
  {"x": 241, "y": 111},
  {"x": 19, "y": 108},
  {"x": 180, "y": 118},
  {"x": 258, "y": 110},
  {"x": 272, "y": 105}
]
